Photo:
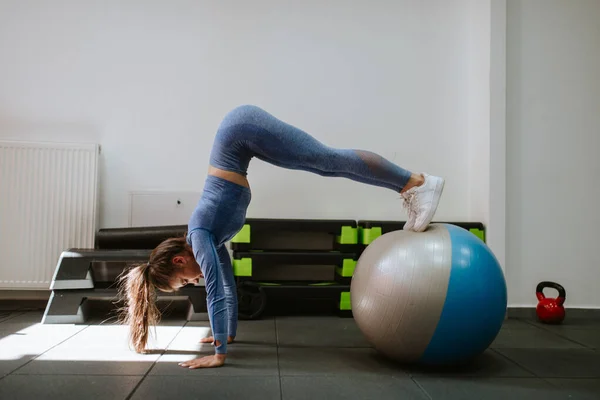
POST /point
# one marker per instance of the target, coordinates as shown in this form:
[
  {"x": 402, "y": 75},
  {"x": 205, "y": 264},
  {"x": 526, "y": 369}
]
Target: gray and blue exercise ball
[{"x": 434, "y": 298}]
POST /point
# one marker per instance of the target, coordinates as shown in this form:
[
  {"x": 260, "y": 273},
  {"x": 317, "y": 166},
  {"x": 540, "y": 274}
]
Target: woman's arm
[
  {"x": 229, "y": 287},
  {"x": 207, "y": 258}
]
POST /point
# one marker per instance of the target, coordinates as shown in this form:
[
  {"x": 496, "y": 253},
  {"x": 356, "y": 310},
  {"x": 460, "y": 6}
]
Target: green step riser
[
  {"x": 345, "y": 303},
  {"x": 243, "y": 267},
  {"x": 348, "y": 235}
]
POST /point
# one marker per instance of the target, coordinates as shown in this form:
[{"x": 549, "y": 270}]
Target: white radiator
[{"x": 48, "y": 196}]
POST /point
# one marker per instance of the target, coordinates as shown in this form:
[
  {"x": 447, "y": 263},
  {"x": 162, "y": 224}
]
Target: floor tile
[
  {"x": 188, "y": 338},
  {"x": 7, "y": 315},
  {"x": 319, "y": 332},
  {"x": 558, "y": 363},
  {"x": 584, "y": 389},
  {"x": 88, "y": 366},
  {"x": 8, "y": 366},
  {"x": 198, "y": 386},
  {"x": 515, "y": 323},
  {"x": 522, "y": 336},
  {"x": 22, "y": 341},
  {"x": 101, "y": 350},
  {"x": 117, "y": 337},
  {"x": 335, "y": 361},
  {"x": 243, "y": 358},
  {"x": 488, "y": 364},
  {"x": 252, "y": 332},
  {"x": 588, "y": 337},
  {"x": 50, "y": 387},
  {"x": 489, "y": 389},
  {"x": 19, "y": 321},
  {"x": 31, "y": 317},
  {"x": 241, "y": 361},
  {"x": 344, "y": 387},
  {"x": 568, "y": 323}
]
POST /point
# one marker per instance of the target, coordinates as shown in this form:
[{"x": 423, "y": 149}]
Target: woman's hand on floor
[{"x": 213, "y": 361}]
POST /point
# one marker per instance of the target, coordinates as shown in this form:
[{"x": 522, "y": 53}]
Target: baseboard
[
  {"x": 24, "y": 294},
  {"x": 575, "y": 313}
]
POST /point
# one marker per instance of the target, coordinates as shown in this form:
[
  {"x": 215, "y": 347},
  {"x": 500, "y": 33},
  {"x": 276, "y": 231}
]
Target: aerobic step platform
[
  {"x": 283, "y": 276},
  {"x": 369, "y": 230},
  {"x": 83, "y": 274},
  {"x": 142, "y": 238},
  {"x": 294, "y": 266},
  {"x": 256, "y": 297},
  {"x": 296, "y": 235}
]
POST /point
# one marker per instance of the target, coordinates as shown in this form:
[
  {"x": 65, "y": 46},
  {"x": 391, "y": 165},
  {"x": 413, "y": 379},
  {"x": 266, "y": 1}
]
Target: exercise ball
[{"x": 436, "y": 297}]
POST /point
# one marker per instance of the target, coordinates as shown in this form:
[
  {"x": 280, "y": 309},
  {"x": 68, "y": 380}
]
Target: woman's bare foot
[{"x": 210, "y": 339}]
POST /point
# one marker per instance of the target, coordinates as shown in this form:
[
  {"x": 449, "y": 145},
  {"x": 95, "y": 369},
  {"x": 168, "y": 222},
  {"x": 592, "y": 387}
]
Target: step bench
[{"x": 85, "y": 274}]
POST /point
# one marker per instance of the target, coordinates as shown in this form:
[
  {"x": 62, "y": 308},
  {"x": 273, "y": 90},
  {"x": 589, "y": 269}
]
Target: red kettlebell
[{"x": 550, "y": 311}]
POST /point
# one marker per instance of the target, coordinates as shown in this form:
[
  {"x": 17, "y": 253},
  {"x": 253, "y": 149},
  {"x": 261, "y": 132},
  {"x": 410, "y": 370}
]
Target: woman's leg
[
  {"x": 249, "y": 131},
  {"x": 252, "y": 132}
]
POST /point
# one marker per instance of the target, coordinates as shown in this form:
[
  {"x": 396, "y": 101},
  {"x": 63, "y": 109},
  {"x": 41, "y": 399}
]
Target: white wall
[
  {"x": 553, "y": 142},
  {"x": 496, "y": 229},
  {"x": 478, "y": 120},
  {"x": 150, "y": 80},
  {"x": 422, "y": 83},
  {"x": 486, "y": 120}
]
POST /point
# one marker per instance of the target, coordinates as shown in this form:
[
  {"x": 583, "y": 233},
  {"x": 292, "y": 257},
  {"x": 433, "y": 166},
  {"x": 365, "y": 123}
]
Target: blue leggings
[{"x": 248, "y": 132}]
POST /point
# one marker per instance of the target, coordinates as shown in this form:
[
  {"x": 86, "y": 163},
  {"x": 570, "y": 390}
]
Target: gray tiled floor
[{"x": 287, "y": 358}]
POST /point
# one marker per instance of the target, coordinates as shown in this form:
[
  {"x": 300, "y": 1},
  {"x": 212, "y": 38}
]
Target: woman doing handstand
[{"x": 247, "y": 132}]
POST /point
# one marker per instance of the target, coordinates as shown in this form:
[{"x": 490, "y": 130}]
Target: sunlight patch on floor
[
  {"x": 66, "y": 342},
  {"x": 34, "y": 339}
]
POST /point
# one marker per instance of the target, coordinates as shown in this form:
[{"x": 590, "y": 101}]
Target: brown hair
[{"x": 138, "y": 288}]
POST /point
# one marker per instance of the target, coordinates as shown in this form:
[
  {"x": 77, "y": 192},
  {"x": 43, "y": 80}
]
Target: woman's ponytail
[
  {"x": 138, "y": 289},
  {"x": 140, "y": 311}
]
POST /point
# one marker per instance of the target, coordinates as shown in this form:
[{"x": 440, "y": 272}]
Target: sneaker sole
[
  {"x": 407, "y": 225},
  {"x": 437, "y": 194}
]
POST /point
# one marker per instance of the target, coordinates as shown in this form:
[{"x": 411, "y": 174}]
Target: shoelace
[{"x": 410, "y": 201}]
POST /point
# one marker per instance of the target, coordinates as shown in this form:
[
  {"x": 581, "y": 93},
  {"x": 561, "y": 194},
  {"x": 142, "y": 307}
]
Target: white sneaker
[{"x": 422, "y": 202}]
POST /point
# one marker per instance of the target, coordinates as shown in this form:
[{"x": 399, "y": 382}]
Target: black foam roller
[{"x": 145, "y": 238}]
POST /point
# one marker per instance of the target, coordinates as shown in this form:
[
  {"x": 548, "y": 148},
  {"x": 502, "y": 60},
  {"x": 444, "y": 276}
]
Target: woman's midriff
[{"x": 229, "y": 176}]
